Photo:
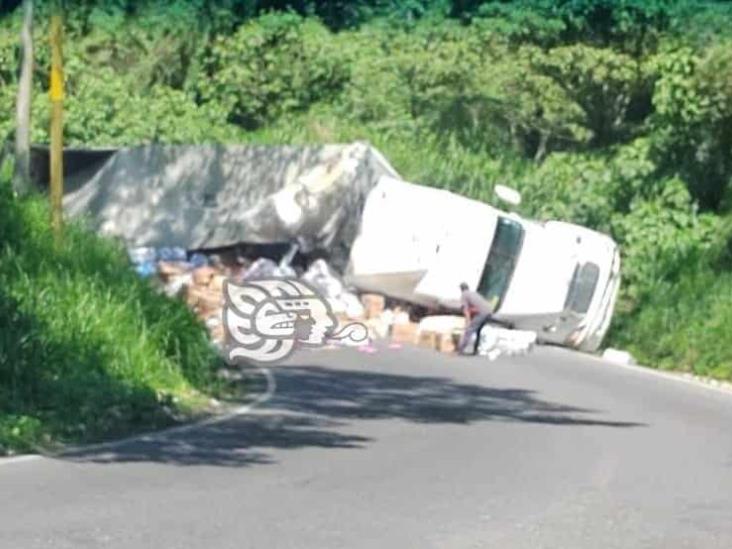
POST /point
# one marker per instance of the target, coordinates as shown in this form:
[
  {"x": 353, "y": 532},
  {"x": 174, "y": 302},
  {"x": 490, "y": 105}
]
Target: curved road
[{"x": 406, "y": 448}]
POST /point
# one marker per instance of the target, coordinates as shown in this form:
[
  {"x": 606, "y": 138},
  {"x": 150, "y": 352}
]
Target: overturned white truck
[
  {"x": 419, "y": 243},
  {"x": 347, "y": 203}
]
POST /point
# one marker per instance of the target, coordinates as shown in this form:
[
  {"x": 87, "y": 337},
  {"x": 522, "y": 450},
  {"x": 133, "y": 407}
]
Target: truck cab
[{"x": 418, "y": 244}]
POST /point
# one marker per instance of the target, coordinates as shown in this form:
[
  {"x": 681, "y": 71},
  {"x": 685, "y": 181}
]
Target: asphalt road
[{"x": 406, "y": 448}]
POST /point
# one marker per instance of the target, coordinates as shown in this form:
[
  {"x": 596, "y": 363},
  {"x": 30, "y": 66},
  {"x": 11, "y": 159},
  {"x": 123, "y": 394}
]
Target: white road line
[{"x": 163, "y": 434}]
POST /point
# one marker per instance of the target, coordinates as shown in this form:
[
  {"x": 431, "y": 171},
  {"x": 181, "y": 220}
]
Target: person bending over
[{"x": 477, "y": 311}]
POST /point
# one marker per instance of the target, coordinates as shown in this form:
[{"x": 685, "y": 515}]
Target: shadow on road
[
  {"x": 367, "y": 395},
  {"x": 315, "y": 405}
]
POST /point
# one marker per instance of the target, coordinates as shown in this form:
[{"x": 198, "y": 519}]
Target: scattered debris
[
  {"x": 143, "y": 254},
  {"x": 442, "y": 323},
  {"x": 343, "y": 302},
  {"x": 203, "y": 275},
  {"x": 495, "y": 341},
  {"x": 175, "y": 253},
  {"x": 404, "y": 332},
  {"x": 617, "y": 356},
  {"x": 266, "y": 268},
  {"x": 373, "y": 305},
  {"x": 443, "y": 342},
  {"x": 143, "y": 260},
  {"x": 441, "y": 332},
  {"x": 198, "y": 279}
]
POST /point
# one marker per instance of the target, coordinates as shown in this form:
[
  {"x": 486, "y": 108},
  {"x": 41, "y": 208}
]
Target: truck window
[
  {"x": 502, "y": 257},
  {"x": 582, "y": 288}
]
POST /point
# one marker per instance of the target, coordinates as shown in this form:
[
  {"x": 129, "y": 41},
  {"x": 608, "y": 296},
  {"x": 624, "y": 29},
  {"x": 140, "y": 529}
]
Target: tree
[{"x": 21, "y": 177}]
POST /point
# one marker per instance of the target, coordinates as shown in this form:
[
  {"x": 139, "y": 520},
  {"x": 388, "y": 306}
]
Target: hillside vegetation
[
  {"x": 87, "y": 349},
  {"x": 616, "y": 115}
]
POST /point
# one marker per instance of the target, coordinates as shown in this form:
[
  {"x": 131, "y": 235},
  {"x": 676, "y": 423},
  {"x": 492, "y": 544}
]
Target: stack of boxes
[
  {"x": 445, "y": 342},
  {"x": 202, "y": 289},
  {"x": 440, "y": 333}
]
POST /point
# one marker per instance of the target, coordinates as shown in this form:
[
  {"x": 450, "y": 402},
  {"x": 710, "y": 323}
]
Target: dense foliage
[
  {"x": 87, "y": 349},
  {"x": 614, "y": 114}
]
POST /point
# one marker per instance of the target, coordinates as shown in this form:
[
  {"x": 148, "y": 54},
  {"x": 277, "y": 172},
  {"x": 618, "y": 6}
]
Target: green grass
[
  {"x": 87, "y": 349},
  {"x": 685, "y": 325}
]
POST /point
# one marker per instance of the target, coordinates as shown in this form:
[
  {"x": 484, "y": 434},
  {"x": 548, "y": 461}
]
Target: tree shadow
[
  {"x": 239, "y": 441},
  {"x": 314, "y": 406},
  {"x": 372, "y": 395}
]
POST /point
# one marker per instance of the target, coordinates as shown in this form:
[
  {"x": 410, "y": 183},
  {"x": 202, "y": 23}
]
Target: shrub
[
  {"x": 87, "y": 349},
  {"x": 662, "y": 237},
  {"x": 101, "y": 108},
  {"x": 684, "y": 324},
  {"x": 272, "y": 65},
  {"x": 693, "y": 121}
]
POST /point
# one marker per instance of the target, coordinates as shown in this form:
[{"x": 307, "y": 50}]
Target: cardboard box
[
  {"x": 445, "y": 343},
  {"x": 169, "y": 269},
  {"x": 206, "y": 302},
  {"x": 436, "y": 341},
  {"x": 378, "y": 328},
  {"x": 427, "y": 340},
  {"x": 203, "y": 275},
  {"x": 341, "y": 317},
  {"x": 373, "y": 305},
  {"x": 217, "y": 333},
  {"x": 442, "y": 324},
  {"x": 404, "y": 333},
  {"x": 175, "y": 285},
  {"x": 217, "y": 283},
  {"x": 192, "y": 294}
]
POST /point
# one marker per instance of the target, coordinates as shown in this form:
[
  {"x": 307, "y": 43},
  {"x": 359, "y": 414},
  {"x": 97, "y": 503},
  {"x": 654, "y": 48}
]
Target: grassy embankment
[{"x": 87, "y": 349}]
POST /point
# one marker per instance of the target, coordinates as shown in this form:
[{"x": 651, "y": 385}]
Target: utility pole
[
  {"x": 21, "y": 174},
  {"x": 56, "y": 93}
]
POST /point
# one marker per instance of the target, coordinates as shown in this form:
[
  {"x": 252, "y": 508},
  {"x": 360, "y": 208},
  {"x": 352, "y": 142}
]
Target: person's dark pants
[{"x": 475, "y": 327}]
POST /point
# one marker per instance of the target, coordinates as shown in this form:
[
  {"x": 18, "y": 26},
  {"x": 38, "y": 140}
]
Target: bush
[
  {"x": 693, "y": 120},
  {"x": 684, "y": 324},
  {"x": 272, "y": 65},
  {"x": 87, "y": 350},
  {"x": 662, "y": 237},
  {"x": 608, "y": 86},
  {"x": 100, "y": 108}
]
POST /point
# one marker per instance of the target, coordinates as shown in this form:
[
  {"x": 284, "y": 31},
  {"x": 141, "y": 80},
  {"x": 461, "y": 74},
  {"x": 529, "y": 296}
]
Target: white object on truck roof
[{"x": 508, "y": 195}]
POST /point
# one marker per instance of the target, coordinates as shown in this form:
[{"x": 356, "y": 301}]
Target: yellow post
[{"x": 57, "y": 125}]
